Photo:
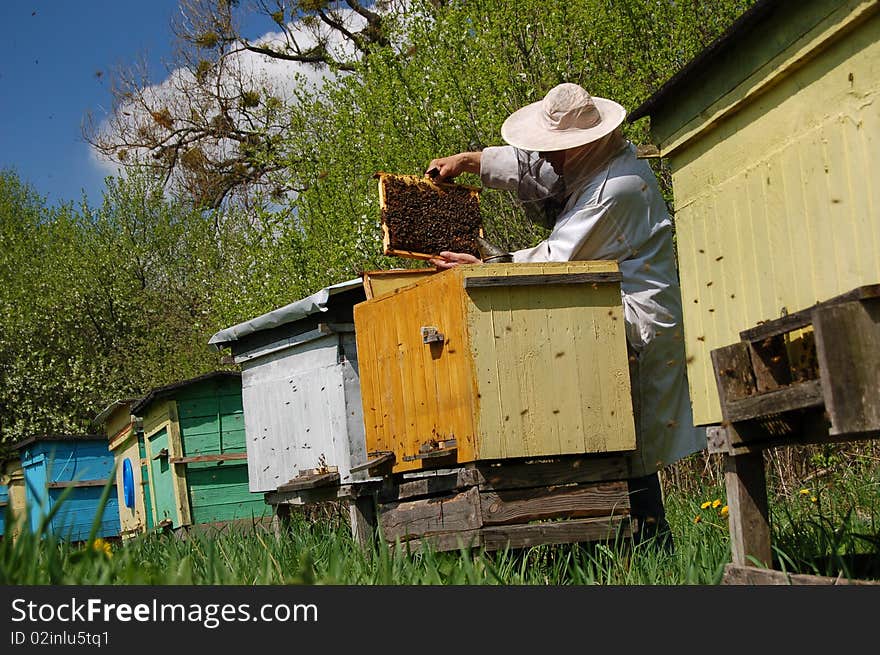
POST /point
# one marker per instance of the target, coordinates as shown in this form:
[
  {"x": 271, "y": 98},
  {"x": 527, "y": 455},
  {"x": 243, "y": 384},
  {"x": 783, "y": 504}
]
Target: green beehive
[{"x": 193, "y": 442}]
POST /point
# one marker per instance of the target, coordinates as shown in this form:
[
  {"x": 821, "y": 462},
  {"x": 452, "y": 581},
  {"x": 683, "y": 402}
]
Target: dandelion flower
[
  {"x": 804, "y": 492},
  {"x": 813, "y": 499},
  {"x": 101, "y": 546},
  {"x": 698, "y": 519},
  {"x": 725, "y": 511},
  {"x": 706, "y": 505},
  {"x": 716, "y": 503}
]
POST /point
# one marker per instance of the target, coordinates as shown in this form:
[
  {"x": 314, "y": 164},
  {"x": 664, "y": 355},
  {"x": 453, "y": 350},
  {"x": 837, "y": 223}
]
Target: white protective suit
[{"x": 618, "y": 213}]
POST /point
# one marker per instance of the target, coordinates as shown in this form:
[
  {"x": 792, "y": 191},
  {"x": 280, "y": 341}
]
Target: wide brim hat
[{"x": 567, "y": 117}]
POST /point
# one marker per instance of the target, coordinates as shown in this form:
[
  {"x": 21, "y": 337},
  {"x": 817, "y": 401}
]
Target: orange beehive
[{"x": 496, "y": 361}]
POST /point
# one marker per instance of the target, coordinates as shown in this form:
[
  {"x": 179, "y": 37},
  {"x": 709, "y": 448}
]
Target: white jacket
[{"x": 619, "y": 214}]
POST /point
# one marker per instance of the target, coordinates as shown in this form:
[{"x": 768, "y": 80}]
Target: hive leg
[{"x": 749, "y": 514}]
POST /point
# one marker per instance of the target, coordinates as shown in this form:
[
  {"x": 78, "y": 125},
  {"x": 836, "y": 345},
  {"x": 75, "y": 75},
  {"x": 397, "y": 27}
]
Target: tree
[
  {"x": 46, "y": 336},
  {"x": 212, "y": 130},
  {"x": 100, "y": 304}
]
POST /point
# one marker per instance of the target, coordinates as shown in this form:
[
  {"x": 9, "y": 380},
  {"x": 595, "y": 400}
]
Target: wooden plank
[
  {"x": 335, "y": 328},
  {"x": 371, "y": 466},
  {"x": 362, "y": 516},
  {"x": 520, "y": 506},
  {"x": 310, "y": 481},
  {"x": 733, "y": 373},
  {"x": 749, "y": 517},
  {"x": 429, "y": 485},
  {"x": 751, "y": 575},
  {"x": 848, "y": 349},
  {"x": 408, "y": 378},
  {"x": 541, "y": 280},
  {"x": 749, "y": 437},
  {"x": 193, "y": 459},
  {"x": 563, "y": 401},
  {"x": 488, "y": 321},
  {"x": 441, "y": 453},
  {"x": 77, "y": 483},
  {"x": 547, "y": 472},
  {"x": 770, "y": 364},
  {"x": 413, "y": 519},
  {"x": 718, "y": 440},
  {"x": 175, "y": 448},
  {"x": 797, "y": 396},
  {"x": 558, "y": 532},
  {"x": 803, "y": 317},
  {"x": 378, "y": 283},
  {"x": 444, "y": 541}
]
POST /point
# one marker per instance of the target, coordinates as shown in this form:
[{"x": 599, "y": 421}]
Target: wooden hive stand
[
  {"x": 769, "y": 398},
  {"x": 496, "y": 505}
]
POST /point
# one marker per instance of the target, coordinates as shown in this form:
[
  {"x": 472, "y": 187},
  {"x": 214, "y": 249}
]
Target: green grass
[{"x": 830, "y": 529}]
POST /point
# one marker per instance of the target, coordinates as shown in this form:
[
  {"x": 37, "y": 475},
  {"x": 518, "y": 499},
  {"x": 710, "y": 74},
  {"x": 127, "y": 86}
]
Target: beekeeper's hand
[
  {"x": 446, "y": 168},
  {"x": 448, "y": 260}
]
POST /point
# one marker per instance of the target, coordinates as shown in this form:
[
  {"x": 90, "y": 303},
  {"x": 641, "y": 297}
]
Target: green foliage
[
  {"x": 98, "y": 304},
  {"x": 457, "y": 72}
]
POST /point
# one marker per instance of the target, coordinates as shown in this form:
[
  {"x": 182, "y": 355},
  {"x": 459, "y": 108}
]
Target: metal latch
[{"x": 431, "y": 335}]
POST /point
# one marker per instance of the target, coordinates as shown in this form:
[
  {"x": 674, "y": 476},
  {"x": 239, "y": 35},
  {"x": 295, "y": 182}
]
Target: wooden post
[
  {"x": 749, "y": 517},
  {"x": 181, "y": 488},
  {"x": 848, "y": 349},
  {"x": 362, "y": 512},
  {"x": 280, "y": 518}
]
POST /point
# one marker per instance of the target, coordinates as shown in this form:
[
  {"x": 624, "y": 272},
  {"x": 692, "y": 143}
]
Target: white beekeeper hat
[{"x": 567, "y": 117}]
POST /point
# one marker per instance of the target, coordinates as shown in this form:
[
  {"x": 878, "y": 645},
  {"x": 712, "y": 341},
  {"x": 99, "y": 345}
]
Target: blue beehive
[
  {"x": 83, "y": 464},
  {"x": 4, "y": 503}
]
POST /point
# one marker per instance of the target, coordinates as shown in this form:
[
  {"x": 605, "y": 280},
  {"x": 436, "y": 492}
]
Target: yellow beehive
[
  {"x": 496, "y": 361},
  {"x": 772, "y": 139}
]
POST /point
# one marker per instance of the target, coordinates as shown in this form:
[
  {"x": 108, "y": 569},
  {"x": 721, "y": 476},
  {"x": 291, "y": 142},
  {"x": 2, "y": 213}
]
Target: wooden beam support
[
  {"x": 362, "y": 514},
  {"x": 770, "y": 364},
  {"x": 733, "y": 373},
  {"x": 551, "y": 471},
  {"x": 521, "y": 506},
  {"x": 380, "y": 463},
  {"x": 428, "y": 485},
  {"x": 208, "y": 458},
  {"x": 749, "y": 516},
  {"x": 751, "y": 575},
  {"x": 803, "y": 317},
  {"x": 444, "y": 541},
  {"x": 179, "y": 484},
  {"x": 413, "y": 519},
  {"x": 802, "y": 395},
  {"x": 848, "y": 349},
  {"x": 77, "y": 483},
  {"x": 541, "y": 280},
  {"x": 310, "y": 481},
  {"x": 556, "y": 532}
]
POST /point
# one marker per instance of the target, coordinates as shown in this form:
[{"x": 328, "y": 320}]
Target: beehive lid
[
  {"x": 421, "y": 218},
  {"x": 378, "y": 283}
]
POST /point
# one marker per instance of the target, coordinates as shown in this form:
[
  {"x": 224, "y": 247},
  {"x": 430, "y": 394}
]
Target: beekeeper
[{"x": 570, "y": 166}]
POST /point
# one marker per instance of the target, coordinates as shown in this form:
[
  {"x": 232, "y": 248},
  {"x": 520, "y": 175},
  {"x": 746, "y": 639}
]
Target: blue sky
[{"x": 51, "y": 54}]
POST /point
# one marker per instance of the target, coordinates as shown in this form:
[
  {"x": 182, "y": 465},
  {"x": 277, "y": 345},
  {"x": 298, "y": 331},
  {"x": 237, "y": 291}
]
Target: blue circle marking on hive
[{"x": 127, "y": 483}]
